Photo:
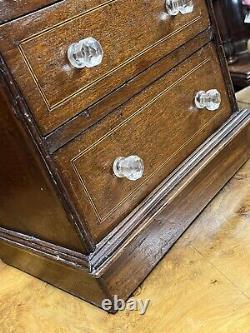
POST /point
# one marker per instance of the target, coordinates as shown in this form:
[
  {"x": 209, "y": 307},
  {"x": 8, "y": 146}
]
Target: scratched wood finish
[
  {"x": 160, "y": 125},
  {"x": 133, "y": 34},
  {"x": 12, "y": 9},
  {"x": 28, "y": 202}
]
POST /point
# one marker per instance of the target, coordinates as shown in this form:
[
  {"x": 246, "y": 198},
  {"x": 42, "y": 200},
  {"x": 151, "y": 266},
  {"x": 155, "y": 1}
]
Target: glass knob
[
  {"x": 211, "y": 100},
  {"x": 87, "y": 52},
  {"x": 131, "y": 167},
  {"x": 175, "y": 7}
]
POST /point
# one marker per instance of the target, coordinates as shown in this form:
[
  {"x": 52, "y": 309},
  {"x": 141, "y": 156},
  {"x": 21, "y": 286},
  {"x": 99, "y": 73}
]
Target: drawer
[
  {"x": 131, "y": 34},
  {"x": 161, "y": 126},
  {"x": 10, "y": 10}
]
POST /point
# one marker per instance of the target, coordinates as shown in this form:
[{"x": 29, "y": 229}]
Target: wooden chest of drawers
[{"x": 118, "y": 126}]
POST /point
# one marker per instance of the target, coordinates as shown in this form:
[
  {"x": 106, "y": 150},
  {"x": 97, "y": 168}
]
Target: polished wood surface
[
  {"x": 10, "y": 10},
  {"x": 104, "y": 108},
  {"x": 28, "y": 202},
  {"x": 202, "y": 285},
  {"x": 50, "y": 267},
  {"x": 183, "y": 201},
  {"x": 136, "y": 35},
  {"x": 164, "y": 61},
  {"x": 143, "y": 237},
  {"x": 160, "y": 125}
]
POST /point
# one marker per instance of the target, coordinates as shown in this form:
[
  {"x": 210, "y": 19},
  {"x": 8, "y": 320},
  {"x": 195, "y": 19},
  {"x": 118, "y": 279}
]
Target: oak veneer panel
[
  {"x": 12, "y": 9},
  {"x": 136, "y": 35},
  {"x": 28, "y": 201},
  {"x": 160, "y": 125}
]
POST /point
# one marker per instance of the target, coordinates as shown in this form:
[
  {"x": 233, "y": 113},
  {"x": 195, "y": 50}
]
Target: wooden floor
[{"x": 201, "y": 286}]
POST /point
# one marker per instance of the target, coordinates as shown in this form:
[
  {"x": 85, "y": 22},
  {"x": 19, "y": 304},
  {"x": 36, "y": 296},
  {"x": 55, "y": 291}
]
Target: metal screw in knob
[
  {"x": 131, "y": 167},
  {"x": 175, "y": 7},
  {"x": 211, "y": 100},
  {"x": 87, "y": 52}
]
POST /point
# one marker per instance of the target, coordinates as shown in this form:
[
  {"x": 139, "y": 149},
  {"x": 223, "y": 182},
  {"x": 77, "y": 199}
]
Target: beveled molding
[
  {"x": 47, "y": 249},
  {"x": 127, "y": 255}
]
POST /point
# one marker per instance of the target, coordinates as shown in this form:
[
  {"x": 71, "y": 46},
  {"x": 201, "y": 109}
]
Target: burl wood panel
[
  {"x": 28, "y": 202},
  {"x": 160, "y": 125},
  {"x": 134, "y": 35},
  {"x": 13, "y": 9}
]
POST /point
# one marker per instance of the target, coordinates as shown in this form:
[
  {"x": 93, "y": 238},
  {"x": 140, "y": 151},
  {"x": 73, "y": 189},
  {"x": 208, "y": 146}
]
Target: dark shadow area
[{"x": 235, "y": 34}]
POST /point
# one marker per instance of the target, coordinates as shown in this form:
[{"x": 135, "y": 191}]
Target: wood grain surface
[
  {"x": 26, "y": 193},
  {"x": 106, "y": 106},
  {"x": 160, "y": 125},
  {"x": 136, "y": 35},
  {"x": 12, "y": 9},
  {"x": 201, "y": 286}
]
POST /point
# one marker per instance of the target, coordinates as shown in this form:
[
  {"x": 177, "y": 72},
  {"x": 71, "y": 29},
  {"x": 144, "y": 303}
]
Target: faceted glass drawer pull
[
  {"x": 131, "y": 167},
  {"x": 87, "y": 52},
  {"x": 211, "y": 100},
  {"x": 175, "y": 7}
]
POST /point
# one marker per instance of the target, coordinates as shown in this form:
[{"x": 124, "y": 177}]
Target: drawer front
[
  {"x": 13, "y": 9},
  {"x": 161, "y": 126},
  {"x": 132, "y": 35}
]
